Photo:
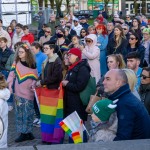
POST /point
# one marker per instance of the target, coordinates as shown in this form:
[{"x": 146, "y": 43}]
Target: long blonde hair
[
  {"x": 131, "y": 78},
  {"x": 119, "y": 59}
]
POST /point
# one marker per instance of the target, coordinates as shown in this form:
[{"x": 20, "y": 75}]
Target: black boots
[{"x": 24, "y": 137}]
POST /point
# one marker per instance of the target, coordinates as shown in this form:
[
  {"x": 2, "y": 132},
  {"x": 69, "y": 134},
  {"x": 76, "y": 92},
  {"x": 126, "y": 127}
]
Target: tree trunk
[
  {"x": 135, "y": 7},
  {"x": 113, "y": 7},
  {"x": 143, "y": 7},
  {"x": 123, "y": 6},
  {"x": 52, "y": 4},
  {"x": 105, "y": 5},
  {"x": 58, "y": 7},
  {"x": 68, "y": 6},
  {"x": 40, "y": 4},
  {"x": 46, "y": 3}
]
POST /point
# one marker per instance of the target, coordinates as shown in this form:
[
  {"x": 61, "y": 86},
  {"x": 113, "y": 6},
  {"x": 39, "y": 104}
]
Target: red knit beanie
[{"x": 75, "y": 51}]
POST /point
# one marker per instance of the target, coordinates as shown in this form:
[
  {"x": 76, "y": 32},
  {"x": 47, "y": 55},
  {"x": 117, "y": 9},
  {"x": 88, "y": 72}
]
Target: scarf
[{"x": 73, "y": 65}]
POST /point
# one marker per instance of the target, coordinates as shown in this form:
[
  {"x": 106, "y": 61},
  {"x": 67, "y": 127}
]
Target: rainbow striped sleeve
[
  {"x": 77, "y": 137},
  {"x": 65, "y": 128},
  {"x": 13, "y": 67}
]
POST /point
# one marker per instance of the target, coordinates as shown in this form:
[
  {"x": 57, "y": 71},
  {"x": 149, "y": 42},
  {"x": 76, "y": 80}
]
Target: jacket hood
[
  {"x": 4, "y": 94},
  {"x": 121, "y": 91},
  {"x": 93, "y": 37}
]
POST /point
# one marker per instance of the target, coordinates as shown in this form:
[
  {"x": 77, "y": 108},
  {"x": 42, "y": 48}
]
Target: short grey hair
[
  {"x": 121, "y": 75},
  {"x": 126, "y": 26}
]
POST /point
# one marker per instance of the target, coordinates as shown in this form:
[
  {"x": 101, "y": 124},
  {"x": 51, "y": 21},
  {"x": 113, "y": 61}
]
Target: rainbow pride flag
[
  {"x": 77, "y": 137},
  {"x": 74, "y": 127},
  {"x": 65, "y": 128},
  {"x": 51, "y": 112}
]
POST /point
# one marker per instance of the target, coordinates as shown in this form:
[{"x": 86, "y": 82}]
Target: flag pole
[{"x": 83, "y": 124}]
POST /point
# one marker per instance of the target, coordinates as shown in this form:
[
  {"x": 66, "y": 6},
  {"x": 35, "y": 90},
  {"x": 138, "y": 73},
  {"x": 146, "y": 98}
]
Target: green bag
[{"x": 88, "y": 91}]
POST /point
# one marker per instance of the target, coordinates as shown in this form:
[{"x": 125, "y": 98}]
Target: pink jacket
[
  {"x": 92, "y": 54},
  {"x": 25, "y": 79}
]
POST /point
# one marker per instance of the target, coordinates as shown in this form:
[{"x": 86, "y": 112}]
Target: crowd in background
[{"x": 70, "y": 51}]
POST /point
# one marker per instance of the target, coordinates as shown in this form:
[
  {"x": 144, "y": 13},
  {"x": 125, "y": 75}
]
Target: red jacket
[{"x": 29, "y": 38}]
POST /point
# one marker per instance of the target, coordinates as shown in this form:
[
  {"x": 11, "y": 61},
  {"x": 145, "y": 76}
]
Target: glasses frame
[{"x": 144, "y": 77}]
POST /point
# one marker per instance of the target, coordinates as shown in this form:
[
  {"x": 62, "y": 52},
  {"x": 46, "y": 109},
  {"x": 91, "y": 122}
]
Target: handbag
[
  {"x": 89, "y": 90},
  {"x": 93, "y": 99}
]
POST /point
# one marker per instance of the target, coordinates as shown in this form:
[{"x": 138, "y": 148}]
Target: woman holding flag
[
  {"x": 76, "y": 80},
  {"x": 24, "y": 73},
  {"x": 50, "y": 97}
]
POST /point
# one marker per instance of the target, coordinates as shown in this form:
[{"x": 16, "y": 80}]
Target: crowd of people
[{"x": 67, "y": 54}]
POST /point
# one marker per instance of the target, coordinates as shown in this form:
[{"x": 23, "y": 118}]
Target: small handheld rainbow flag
[
  {"x": 74, "y": 127},
  {"x": 65, "y": 128},
  {"x": 77, "y": 137}
]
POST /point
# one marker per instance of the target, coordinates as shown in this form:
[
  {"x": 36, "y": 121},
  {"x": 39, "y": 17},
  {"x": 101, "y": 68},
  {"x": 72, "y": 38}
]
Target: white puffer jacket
[{"x": 4, "y": 96}]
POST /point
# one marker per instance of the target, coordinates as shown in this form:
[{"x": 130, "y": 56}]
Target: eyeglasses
[
  {"x": 88, "y": 41},
  {"x": 48, "y": 31},
  {"x": 61, "y": 22},
  {"x": 144, "y": 77},
  {"x": 46, "y": 48},
  {"x": 132, "y": 38},
  {"x": 124, "y": 29},
  {"x": 20, "y": 52}
]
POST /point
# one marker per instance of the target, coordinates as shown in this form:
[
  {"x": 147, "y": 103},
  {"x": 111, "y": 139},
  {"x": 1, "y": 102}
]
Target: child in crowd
[
  {"x": 104, "y": 121},
  {"x": 4, "y": 96}
]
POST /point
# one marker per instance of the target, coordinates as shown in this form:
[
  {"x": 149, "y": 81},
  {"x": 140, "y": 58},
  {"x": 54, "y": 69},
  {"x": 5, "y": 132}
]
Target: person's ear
[
  {"x": 138, "y": 62},
  {"x": 118, "y": 83}
]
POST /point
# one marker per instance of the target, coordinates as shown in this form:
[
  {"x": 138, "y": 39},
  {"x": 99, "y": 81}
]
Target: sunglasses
[
  {"x": 61, "y": 22},
  {"x": 132, "y": 38},
  {"x": 48, "y": 31},
  {"x": 83, "y": 32},
  {"x": 88, "y": 41},
  {"x": 127, "y": 17},
  {"x": 144, "y": 77}
]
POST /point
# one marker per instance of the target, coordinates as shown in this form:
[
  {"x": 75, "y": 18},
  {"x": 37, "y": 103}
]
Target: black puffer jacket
[
  {"x": 78, "y": 78},
  {"x": 4, "y": 55},
  {"x": 122, "y": 49},
  {"x": 145, "y": 95}
]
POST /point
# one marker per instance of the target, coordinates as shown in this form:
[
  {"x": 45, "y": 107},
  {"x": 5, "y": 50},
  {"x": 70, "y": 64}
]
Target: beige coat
[
  {"x": 107, "y": 132},
  {"x": 44, "y": 39}
]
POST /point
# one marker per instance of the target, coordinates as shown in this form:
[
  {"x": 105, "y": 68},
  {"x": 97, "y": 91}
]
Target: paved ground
[{"x": 12, "y": 134}]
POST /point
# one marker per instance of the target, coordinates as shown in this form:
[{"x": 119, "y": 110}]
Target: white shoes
[
  {"x": 37, "y": 122},
  {"x": 10, "y": 108}
]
